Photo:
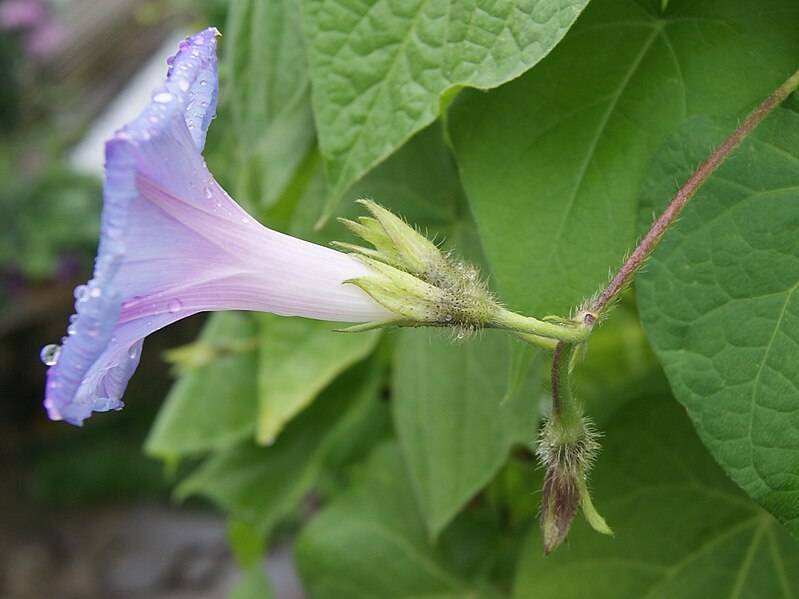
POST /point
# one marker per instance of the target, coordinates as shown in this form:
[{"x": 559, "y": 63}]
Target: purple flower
[
  {"x": 173, "y": 243},
  {"x": 21, "y": 14}
]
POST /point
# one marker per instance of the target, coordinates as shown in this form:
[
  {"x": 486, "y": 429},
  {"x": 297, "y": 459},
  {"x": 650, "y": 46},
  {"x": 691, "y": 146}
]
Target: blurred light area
[{"x": 88, "y": 155}]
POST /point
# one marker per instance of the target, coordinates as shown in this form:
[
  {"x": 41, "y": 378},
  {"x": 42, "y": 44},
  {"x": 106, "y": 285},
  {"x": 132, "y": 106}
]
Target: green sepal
[
  {"x": 367, "y": 252},
  {"x": 415, "y": 251},
  {"x": 376, "y": 324},
  {"x": 371, "y": 231},
  {"x": 593, "y": 518}
]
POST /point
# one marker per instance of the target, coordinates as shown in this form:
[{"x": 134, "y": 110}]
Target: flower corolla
[{"x": 173, "y": 243}]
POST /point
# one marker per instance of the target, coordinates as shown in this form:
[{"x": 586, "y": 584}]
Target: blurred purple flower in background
[
  {"x": 44, "y": 34},
  {"x": 173, "y": 243},
  {"x": 21, "y": 14}
]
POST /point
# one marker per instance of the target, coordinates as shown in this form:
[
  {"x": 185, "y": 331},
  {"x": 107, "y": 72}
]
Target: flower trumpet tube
[{"x": 173, "y": 243}]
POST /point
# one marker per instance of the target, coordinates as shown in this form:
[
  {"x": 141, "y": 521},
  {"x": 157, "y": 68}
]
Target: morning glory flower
[{"x": 173, "y": 244}]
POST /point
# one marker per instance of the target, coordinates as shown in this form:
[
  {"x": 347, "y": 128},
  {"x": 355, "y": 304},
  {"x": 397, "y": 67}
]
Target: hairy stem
[
  {"x": 566, "y": 416},
  {"x": 685, "y": 193},
  {"x": 532, "y": 327}
]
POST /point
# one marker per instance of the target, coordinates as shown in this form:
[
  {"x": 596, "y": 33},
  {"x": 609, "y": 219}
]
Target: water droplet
[
  {"x": 448, "y": 317},
  {"x": 203, "y": 82},
  {"x": 198, "y": 40},
  {"x": 72, "y": 329},
  {"x": 183, "y": 84},
  {"x": 95, "y": 291},
  {"x": 49, "y": 354},
  {"x": 245, "y": 220},
  {"x": 174, "y": 305},
  {"x": 208, "y": 193},
  {"x": 80, "y": 292},
  {"x": 132, "y": 352},
  {"x": 162, "y": 97},
  {"x": 460, "y": 336}
]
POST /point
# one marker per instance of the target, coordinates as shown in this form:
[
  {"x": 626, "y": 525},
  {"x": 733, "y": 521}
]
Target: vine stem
[
  {"x": 561, "y": 390},
  {"x": 685, "y": 193}
]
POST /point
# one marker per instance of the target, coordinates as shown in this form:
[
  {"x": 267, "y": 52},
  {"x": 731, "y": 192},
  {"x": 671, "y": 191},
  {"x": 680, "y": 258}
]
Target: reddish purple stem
[{"x": 685, "y": 193}]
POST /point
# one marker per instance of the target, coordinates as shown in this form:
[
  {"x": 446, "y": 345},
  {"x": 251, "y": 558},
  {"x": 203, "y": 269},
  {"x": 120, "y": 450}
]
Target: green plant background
[{"x": 537, "y": 138}]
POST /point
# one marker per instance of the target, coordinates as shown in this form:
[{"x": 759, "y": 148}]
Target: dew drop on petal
[
  {"x": 49, "y": 354},
  {"x": 80, "y": 292},
  {"x": 132, "y": 352},
  {"x": 208, "y": 193},
  {"x": 162, "y": 97},
  {"x": 95, "y": 291},
  {"x": 174, "y": 305},
  {"x": 183, "y": 84}
]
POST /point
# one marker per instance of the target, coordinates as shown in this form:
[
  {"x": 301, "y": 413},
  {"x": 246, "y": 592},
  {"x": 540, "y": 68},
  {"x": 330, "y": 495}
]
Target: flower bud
[
  {"x": 568, "y": 460},
  {"x": 558, "y": 504}
]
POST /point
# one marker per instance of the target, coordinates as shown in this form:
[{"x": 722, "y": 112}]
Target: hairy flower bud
[
  {"x": 558, "y": 504},
  {"x": 568, "y": 459}
]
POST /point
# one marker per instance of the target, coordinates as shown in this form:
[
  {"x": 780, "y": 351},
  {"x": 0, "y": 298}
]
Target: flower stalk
[{"x": 424, "y": 286}]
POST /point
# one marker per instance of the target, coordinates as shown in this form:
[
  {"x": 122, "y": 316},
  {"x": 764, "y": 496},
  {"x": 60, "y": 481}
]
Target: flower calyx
[{"x": 414, "y": 279}]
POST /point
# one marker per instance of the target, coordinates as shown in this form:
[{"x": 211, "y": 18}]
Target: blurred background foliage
[{"x": 400, "y": 462}]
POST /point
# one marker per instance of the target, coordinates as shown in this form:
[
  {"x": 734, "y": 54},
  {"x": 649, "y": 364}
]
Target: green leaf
[
  {"x": 371, "y": 543},
  {"x": 720, "y": 303},
  {"x": 458, "y": 410},
  {"x": 269, "y": 97},
  {"x": 380, "y": 69},
  {"x": 553, "y": 162},
  {"x": 298, "y": 358},
  {"x": 420, "y": 182},
  {"x": 683, "y": 530},
  {"x": 214, "y": 406},
  {"x": 262, "y": 485}
]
